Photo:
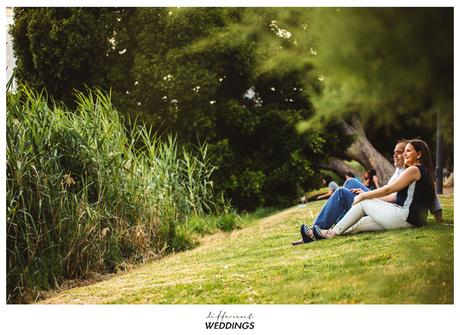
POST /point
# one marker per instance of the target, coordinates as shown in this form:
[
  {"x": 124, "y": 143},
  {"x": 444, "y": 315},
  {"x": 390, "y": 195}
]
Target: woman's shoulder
[
  {"x": 413, "y": 168},
  {"x": 413, "y": 172}
]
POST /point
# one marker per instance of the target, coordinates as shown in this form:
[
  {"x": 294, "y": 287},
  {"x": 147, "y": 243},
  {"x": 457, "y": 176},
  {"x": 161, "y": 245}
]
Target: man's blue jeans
[{"x": 338, "y": 204}]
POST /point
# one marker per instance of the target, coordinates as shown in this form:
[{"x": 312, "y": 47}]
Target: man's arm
[
  {"x": 376, "y": 181},
  {"x": 329, "y": 193}
]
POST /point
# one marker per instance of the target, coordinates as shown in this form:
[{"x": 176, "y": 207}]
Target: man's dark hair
[
  {"x": 327, "y": 178},
  {"x": 350, "y": 174}
]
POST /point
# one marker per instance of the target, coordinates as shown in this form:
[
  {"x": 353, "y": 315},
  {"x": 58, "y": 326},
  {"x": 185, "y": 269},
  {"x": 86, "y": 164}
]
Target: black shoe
[
  {"x": 304, "y": 230},
  {"x": 317, "y": 233}
]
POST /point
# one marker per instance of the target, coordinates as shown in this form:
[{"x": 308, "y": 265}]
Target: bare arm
[
  {"x": 387, "y": 198},
  {"x": 329, "y": 193},
  {"x": 376, "y": 181},
  {"x": 408, "y": 176}
]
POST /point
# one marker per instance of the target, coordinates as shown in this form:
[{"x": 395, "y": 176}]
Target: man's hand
[{"x": 356, "y": 190}]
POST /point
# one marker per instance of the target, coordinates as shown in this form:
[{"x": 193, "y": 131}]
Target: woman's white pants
[{"x": 381, "y": 215}]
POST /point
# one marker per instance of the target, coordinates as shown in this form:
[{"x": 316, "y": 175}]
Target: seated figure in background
[
  {"x": 350, "y": 175},
  {"x": 371, "y": 181},
  {"x": 332, "y": 186}
]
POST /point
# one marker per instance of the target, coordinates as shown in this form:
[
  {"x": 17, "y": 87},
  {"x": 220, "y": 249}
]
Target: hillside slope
[{"x": 257, "y": 264}]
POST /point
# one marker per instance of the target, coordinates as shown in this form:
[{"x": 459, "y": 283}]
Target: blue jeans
[
  {"x": 354, "y": 183},
  {"x": 338, "y": 204}
]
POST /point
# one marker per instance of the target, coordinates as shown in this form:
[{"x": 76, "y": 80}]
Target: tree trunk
[
  {"x": 339, "y": 167},
  {"x": 364, "y": 152}
]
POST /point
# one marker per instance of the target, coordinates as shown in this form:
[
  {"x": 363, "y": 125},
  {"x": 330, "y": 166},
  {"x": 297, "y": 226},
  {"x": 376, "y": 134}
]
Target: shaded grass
[{"x": 257, "y": 264}]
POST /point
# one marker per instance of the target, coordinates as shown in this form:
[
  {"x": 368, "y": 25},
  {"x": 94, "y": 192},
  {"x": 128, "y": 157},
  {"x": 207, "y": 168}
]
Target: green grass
[{"x": 257, "y": 264}]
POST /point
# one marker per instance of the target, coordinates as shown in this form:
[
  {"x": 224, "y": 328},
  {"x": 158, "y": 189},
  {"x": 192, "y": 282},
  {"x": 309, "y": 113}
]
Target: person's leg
[
  {"x": 335, "y": 208},
  {"x": 353, "y": 183},
  {"x": 365, "y": 224},
  {"x": 353, "y": 216},
  {"x": 387, "y": 215}
]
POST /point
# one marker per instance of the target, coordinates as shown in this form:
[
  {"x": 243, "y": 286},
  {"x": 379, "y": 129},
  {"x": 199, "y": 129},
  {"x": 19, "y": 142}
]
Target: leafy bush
[{"x": 83, "y": 195}]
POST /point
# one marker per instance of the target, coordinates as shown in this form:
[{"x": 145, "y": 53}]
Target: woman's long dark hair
[
  {"x": 369, "y": 181},
  {"x": 372, "y": 173},
  {"x": 425, "y": 159}
]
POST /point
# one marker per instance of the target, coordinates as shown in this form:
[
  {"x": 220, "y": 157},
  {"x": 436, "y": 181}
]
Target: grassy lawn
[{"x": 258, "y": 265}]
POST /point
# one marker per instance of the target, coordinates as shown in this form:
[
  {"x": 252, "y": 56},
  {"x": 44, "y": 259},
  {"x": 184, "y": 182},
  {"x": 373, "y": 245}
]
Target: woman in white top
[{"x": 415, "y": 195}]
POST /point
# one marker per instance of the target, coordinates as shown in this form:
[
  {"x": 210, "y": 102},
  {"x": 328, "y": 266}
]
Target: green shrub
[
  {"x": 227, "y": 222},
  {"x": 84, "y": 195}
]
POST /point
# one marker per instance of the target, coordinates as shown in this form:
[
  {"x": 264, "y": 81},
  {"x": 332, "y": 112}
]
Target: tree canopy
[
  {"x": 246, "y": 79},
  {"x": 65, "y": 49},
  {"x": 392, "y": 66}
]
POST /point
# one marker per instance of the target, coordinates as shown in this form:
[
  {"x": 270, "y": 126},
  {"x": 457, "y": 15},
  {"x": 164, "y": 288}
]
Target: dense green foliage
[
  {"x": 232, "y": 75},
  {"x": 83, "y": 196},
  {"x": 392, "y": 66},
  {"x": 65, "y": 49},
  {"x": 190, "y": 72}
]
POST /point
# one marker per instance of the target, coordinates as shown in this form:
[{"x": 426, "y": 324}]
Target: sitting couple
[{"x": 403, "y": 203}]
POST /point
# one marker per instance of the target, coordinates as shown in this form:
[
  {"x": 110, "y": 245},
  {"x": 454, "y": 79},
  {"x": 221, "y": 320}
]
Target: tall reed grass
[{"x": 86, "y": 195}]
